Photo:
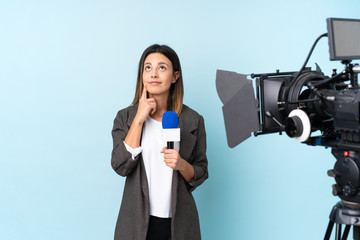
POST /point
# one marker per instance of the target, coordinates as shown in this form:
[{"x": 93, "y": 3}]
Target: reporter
[{"x": 157, "y": 200}]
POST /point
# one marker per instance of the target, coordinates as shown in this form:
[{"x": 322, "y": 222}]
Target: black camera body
[{"x": 331, "y": 107}]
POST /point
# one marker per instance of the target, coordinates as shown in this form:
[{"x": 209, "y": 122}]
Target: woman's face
[{"x": 158, "y": 74}]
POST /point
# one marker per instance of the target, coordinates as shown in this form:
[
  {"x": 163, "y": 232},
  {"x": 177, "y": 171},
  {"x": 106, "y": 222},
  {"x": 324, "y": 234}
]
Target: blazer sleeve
[
  {"x": 200, "y": 162},
  {"x": 121, "y": 160}
]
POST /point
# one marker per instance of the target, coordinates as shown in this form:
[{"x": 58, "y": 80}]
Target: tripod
[{"x": 344, "y": 213}]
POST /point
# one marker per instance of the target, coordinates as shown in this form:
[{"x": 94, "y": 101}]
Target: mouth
[{"x": 154, "y": 83}]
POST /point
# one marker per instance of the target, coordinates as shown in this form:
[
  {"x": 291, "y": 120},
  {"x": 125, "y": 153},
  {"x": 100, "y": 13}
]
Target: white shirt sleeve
[{"x": 134, "y": 151}]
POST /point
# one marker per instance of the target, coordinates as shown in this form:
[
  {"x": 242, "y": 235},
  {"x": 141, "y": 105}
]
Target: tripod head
[{"x": 346, "y": 173}]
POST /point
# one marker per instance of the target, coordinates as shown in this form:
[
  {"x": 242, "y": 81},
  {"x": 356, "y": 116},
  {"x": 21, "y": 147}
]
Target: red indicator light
[{"x": 346, "y": 153}]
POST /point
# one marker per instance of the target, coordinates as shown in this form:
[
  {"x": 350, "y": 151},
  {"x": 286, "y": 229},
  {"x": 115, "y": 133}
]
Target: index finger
[
  {"x": 163, "y": 150},
  {"x": 143, "y": 96}
]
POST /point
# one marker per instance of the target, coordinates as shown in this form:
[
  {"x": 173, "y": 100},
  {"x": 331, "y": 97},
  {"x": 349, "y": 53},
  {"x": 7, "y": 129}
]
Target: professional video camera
[{"x": 304, "y": 102}]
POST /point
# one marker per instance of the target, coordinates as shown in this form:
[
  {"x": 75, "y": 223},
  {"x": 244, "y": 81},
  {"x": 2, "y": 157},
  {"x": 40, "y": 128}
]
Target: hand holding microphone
[
  {"x": 172, "y": 158},
  {"x": 171, "y": 134}
]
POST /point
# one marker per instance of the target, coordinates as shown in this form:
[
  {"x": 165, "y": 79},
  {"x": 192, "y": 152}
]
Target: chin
[{"x": 157, "y": 93}]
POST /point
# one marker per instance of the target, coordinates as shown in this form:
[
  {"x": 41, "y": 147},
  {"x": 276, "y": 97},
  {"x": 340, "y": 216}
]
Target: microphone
[{"x": 171, "y": 130}]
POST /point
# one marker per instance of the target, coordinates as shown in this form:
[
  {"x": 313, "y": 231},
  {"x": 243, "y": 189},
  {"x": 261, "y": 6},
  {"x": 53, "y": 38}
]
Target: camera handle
[{"x": 353, "y": 71}]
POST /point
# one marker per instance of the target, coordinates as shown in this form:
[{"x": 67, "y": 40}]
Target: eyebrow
[{"x": 148, "y": 63}]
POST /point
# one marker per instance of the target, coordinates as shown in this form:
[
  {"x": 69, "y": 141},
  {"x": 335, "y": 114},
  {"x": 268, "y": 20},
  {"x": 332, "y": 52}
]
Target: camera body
[{"x": 329, "y": 105}]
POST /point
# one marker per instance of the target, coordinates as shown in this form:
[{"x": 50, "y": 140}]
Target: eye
[
  {"x": 162, "y": 68},
  {"x": 147, "y": 68}
]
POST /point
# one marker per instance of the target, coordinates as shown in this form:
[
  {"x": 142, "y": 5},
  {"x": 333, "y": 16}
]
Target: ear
[{"x": 176, "y": 77}]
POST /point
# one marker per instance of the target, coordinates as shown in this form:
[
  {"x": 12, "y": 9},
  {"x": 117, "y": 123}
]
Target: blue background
[{"x": 67, "y": 67}]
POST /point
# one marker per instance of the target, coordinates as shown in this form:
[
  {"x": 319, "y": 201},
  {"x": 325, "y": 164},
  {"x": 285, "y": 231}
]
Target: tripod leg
[
  {"x": 346, "y": 232},
  {"x": 356, "y": 230},
  {"x": 328, "y": 230},
  {"x": 338, "y": 232}
]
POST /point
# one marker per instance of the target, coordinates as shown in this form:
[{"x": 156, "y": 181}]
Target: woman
[{"x": 157, "y": 201}]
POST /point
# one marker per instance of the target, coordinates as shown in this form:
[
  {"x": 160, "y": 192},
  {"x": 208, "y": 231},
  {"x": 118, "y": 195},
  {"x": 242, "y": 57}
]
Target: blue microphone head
[{"x": 170, "y": 120}]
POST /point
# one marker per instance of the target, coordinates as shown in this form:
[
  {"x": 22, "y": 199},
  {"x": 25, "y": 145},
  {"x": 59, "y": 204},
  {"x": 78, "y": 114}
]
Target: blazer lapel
[{"x": 187, "y": 126}]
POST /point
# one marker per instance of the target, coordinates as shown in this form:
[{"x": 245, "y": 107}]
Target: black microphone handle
[{"x": 170, "y": 145}]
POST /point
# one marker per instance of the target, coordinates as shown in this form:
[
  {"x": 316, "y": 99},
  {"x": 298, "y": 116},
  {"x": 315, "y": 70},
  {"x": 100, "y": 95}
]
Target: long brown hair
[{"x": 175, "y": 100}]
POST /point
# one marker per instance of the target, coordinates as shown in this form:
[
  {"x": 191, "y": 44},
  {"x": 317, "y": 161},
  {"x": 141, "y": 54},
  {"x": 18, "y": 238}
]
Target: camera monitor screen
[{"x": 344, "y": 38}]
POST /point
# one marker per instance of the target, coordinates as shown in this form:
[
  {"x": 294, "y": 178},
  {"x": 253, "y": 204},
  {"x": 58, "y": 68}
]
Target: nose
[{"x": 154, "y": 73}]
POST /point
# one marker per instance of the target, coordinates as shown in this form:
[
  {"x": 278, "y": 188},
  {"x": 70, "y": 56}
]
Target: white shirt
[{"x": 159, "y": 176}]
